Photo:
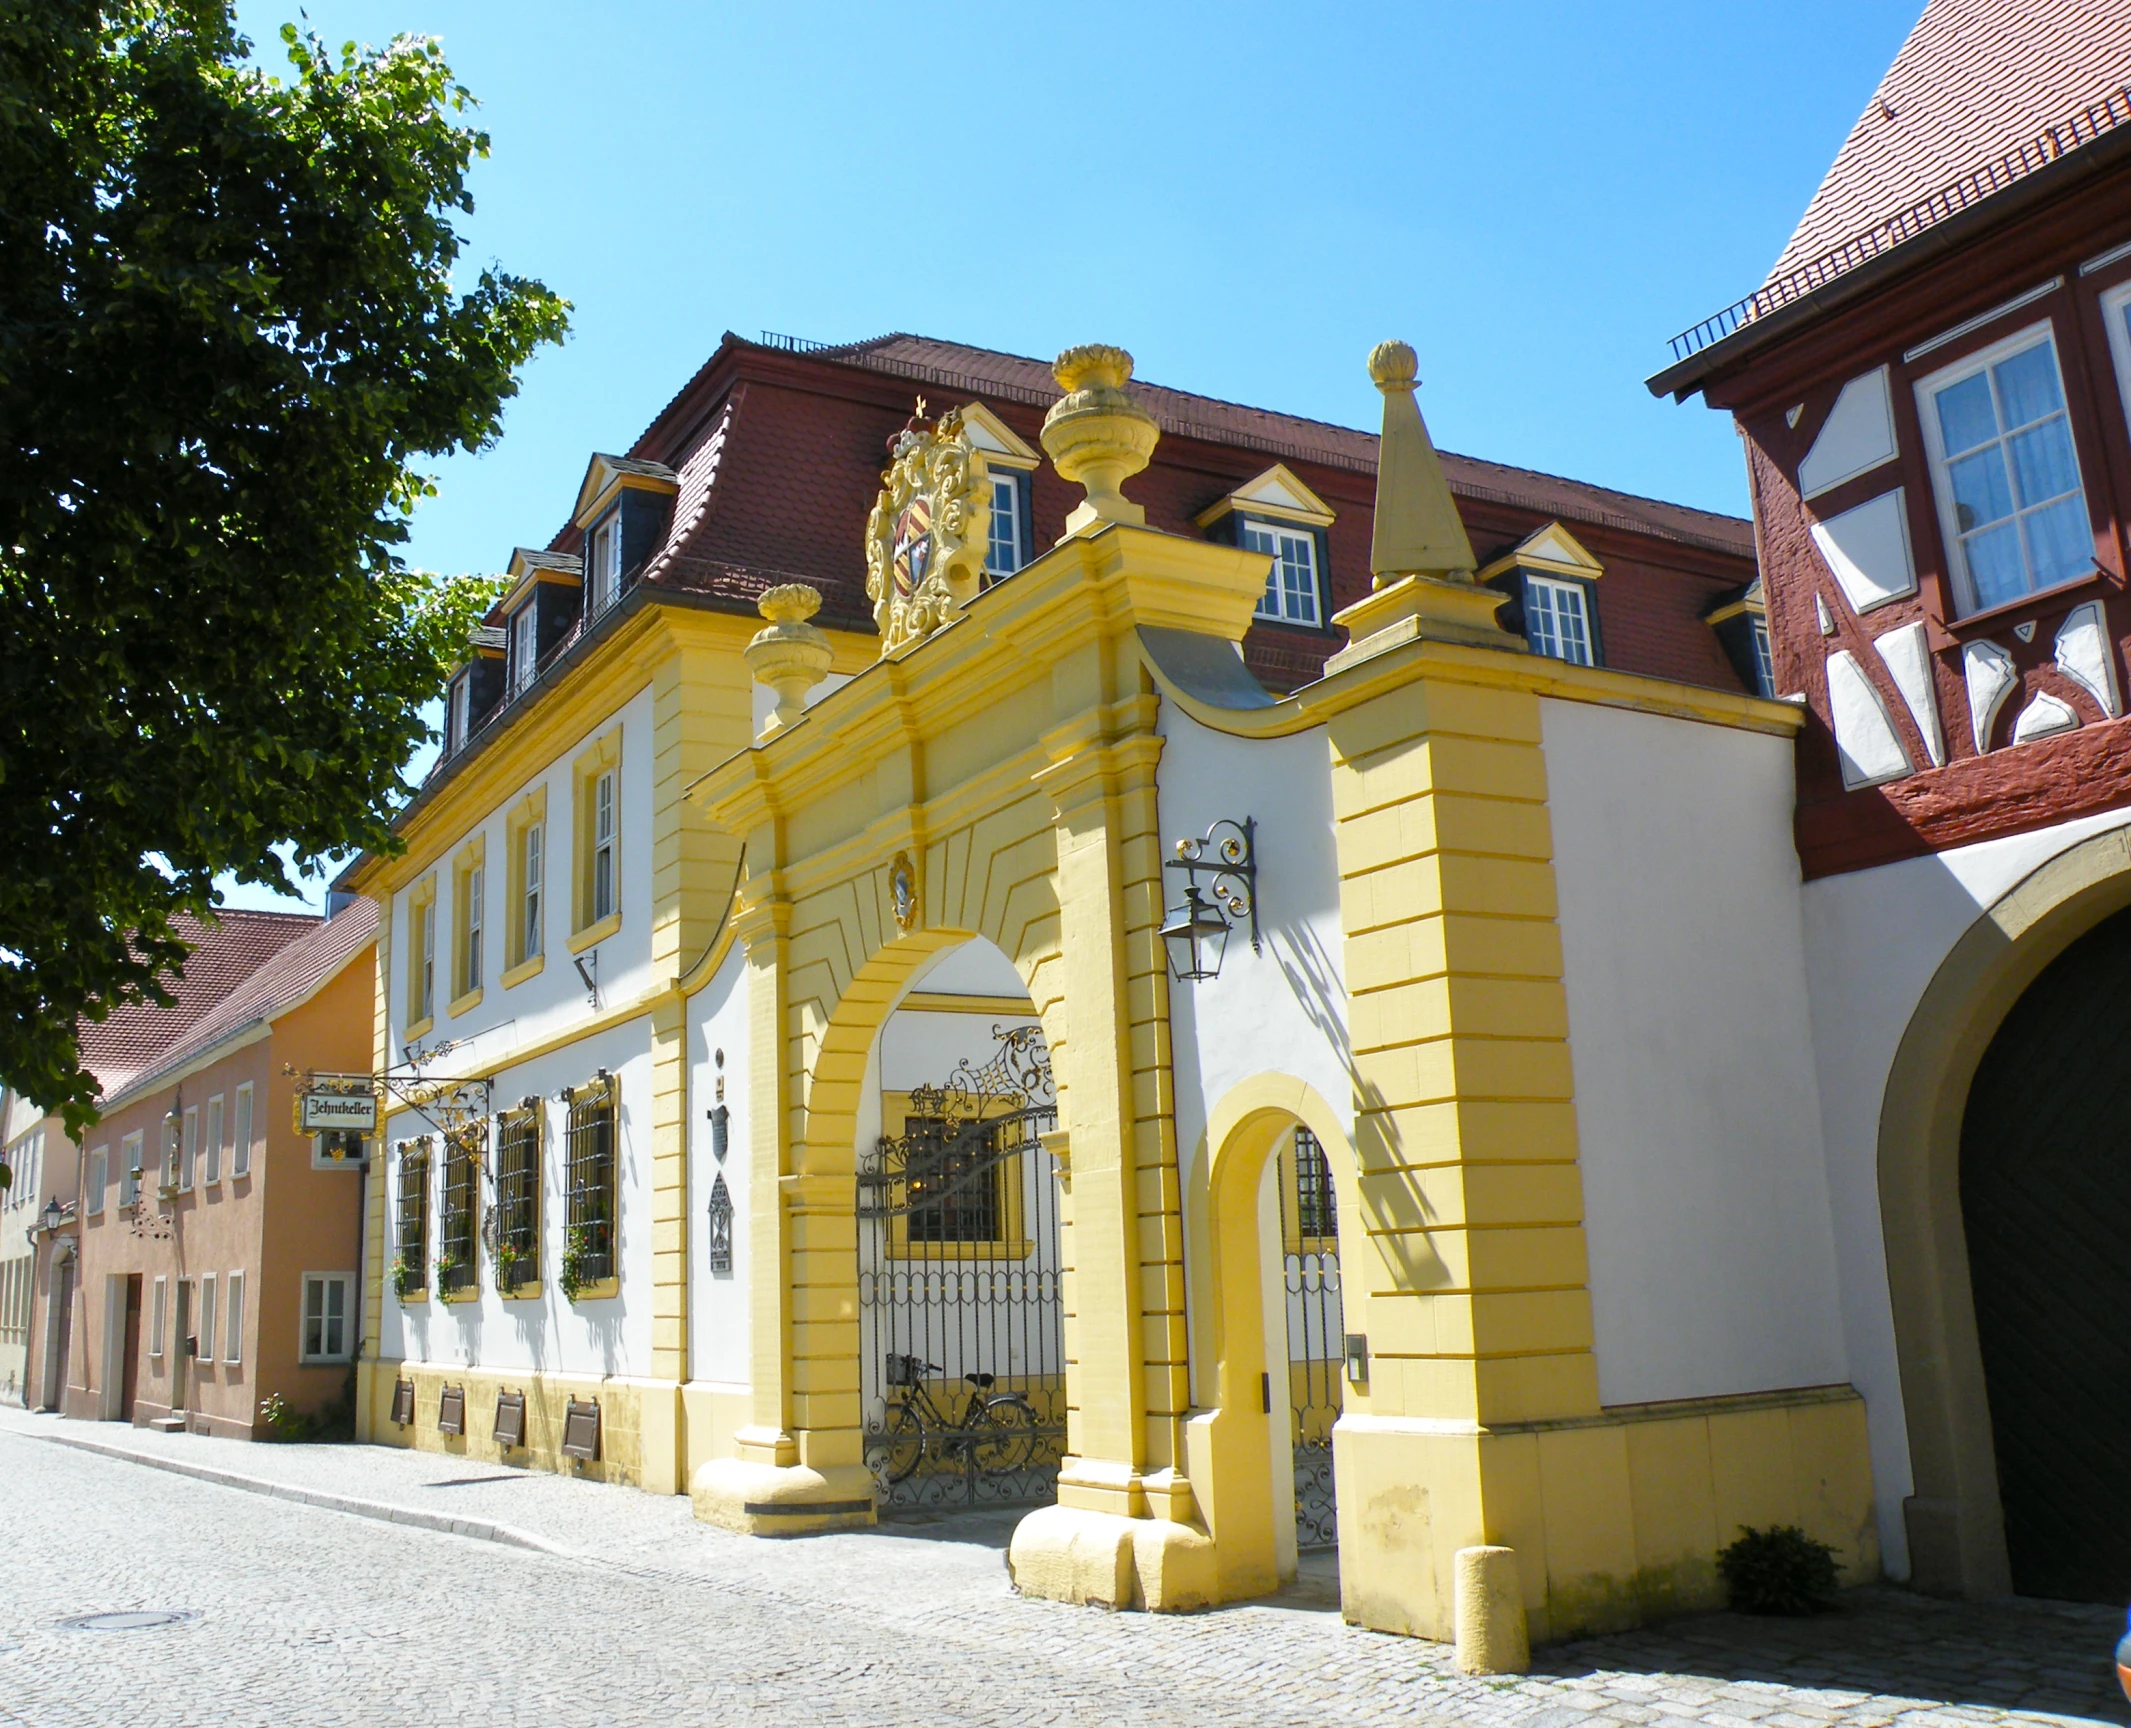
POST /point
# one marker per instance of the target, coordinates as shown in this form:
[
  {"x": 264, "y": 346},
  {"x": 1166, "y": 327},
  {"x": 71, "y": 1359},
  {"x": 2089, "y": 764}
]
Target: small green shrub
[
  {"x": 1780, "y": 1570},
  {"x": 282, "y": 1423},
  {"x": 406, "y": 1277}
]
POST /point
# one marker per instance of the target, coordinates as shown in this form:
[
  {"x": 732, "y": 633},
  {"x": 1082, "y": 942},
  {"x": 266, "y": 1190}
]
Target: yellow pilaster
[{"x": 1465, "y": 1138}]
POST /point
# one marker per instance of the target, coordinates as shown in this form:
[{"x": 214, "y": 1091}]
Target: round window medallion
[{"x": 130, "y": 1620}]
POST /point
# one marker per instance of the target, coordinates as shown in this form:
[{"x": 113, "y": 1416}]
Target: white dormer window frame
[
  {"x": 456, "y": 724},
  {"x": 524, "y": 642},
  {"x": 603, "y": 563},
  {"x": 1294, "y": 587},
  {"x": 1010, "y": 461},
  {"x": 1557, "y": 619},
  {"x": 1276, "y": 513},
  {"x": 1007, "y": 549}
]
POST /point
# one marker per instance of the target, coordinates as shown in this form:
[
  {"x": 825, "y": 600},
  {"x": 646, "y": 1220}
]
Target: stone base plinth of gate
[
  {"x": 1109, "y": 1560},
  {"x": 759, "y": 1499}
]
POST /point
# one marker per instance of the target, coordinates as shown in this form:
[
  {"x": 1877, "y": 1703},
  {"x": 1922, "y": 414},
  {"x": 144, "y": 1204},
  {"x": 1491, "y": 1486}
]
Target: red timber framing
[{"x": 1952, "y": 293}]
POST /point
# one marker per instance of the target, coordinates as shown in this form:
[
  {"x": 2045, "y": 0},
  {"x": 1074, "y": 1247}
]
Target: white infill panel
[
  {"x": 2083, "y": 655},
  {"x": 1856, "y": 437},
  {"x": 1865, "y": 738},
  {"x": 1909, "y": 661},
  {"x": 1989, "y": 670},
  {"x": 2044, "y": 717},
  {"x": 1867, "y": 548}
]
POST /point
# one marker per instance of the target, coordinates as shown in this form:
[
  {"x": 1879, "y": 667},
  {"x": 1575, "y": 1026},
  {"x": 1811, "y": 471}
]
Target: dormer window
[
  {"x": 457, "y": 714},
  {"x": 1010, "y": 460},
  {"x": 524, "y": 646},
  {"x": 1294, "y": 586},
  {"x": 603, "y": 564},
  {"x": 1556, "y": 620},
  {"x": 624, "y": 508},
  {"x": 1742, "y": 629},
  {"x": 1007, "y": 551},
  {"x": 1552, "y": 582},
  {"x": 1278, "y": 515}
]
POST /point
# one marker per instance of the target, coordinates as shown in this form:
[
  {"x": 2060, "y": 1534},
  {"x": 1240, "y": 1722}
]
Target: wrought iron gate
[
  {"x": 1316, "y": 1338},
  {"x": 960, "y": 1298}
]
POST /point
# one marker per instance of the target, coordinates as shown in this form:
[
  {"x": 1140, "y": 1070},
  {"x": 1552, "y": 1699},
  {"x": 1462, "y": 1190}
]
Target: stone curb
[{"x": 383, "y": 1511}]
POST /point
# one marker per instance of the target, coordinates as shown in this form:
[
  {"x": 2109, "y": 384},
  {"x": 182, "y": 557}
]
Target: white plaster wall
[
  {"x": 1706, "y": 1204},
  {"x": 554, "y": 999},
  {"x": 1282, "y": 1011},
  {"x": 1873, "y": 940},
  {"x": 545, "y": 1333},
  {"x": 717, "y": 1305}
]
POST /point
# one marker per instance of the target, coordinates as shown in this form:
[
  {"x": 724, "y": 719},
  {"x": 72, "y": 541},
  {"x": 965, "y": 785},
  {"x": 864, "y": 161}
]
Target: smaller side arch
[
  {"x": 1954, "y": 1522},
  {"x": 1228, "y": 1444}
]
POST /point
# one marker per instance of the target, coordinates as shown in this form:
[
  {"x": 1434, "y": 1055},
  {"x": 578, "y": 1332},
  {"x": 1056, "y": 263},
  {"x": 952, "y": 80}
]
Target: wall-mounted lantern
[{"x": 1220, "y": 884}]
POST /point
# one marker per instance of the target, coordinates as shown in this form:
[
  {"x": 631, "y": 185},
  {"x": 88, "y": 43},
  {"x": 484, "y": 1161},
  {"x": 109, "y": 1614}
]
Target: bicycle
[{"x": 995, "y": 1432}]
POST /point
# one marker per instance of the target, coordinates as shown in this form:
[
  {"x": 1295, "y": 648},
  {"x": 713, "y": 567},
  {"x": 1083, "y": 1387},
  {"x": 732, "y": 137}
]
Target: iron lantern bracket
[{"x": 1226, "y": 858}]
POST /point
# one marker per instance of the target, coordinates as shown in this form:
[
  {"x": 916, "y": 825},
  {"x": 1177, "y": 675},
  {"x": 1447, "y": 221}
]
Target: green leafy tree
[{"x": 229, "y": 333}]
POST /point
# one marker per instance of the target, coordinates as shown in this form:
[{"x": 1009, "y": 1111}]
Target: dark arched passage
[{"x": 2046, "y": 1208}]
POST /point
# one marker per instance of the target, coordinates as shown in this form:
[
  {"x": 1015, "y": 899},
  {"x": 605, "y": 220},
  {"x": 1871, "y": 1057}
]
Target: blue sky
[{"x": 1248, "y": 197}]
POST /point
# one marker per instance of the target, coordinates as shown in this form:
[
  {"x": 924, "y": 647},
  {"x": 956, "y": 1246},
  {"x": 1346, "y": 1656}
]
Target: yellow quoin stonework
[{"x": 994, "y": 772}]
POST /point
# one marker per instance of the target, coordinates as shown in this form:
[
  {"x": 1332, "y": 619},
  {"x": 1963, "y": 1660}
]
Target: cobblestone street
[{"x": 609, "y": 1607}]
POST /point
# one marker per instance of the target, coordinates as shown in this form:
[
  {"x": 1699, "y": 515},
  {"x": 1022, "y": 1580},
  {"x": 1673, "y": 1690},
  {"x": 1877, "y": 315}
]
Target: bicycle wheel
[
  {"x": 898, "y": 1450},
  {"x": 1005, "y": 1439}
]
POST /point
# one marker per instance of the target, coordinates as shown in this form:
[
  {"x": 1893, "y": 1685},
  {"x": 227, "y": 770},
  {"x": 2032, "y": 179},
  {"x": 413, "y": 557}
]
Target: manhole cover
[{"x": 129, "y": 1620}]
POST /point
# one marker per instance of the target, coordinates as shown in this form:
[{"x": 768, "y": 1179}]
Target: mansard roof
[{"x": 777, "y": 448}]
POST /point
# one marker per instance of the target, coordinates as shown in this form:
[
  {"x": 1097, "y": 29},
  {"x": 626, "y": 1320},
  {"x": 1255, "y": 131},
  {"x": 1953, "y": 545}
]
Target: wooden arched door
[{"x": 2046, "y": 1203}]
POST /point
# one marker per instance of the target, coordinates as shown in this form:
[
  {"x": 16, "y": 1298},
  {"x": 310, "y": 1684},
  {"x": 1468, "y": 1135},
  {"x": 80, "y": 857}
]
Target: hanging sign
[{"x": 325, "y": 1111}]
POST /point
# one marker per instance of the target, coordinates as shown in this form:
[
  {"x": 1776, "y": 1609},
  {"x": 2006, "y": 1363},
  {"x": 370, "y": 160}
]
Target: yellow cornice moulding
[
  {"x": 619, "y": 670},
  {"x": 1454, "y": 663}
]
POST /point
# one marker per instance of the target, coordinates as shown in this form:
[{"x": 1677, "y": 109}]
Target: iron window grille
[
  {"x": 517, "y": 1246},
  {"x": 1316, "y": 1211},
  {"x": 951, "y": 1179},
  {"x": 413, "y": 1210},
  {"x": 456, "y": 1229},
  {"x": 588, "y": 1180}
]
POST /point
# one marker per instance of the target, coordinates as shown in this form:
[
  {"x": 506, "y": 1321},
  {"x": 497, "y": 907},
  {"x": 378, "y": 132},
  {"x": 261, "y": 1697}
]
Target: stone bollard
[{"x": 1492, "y": 1637}]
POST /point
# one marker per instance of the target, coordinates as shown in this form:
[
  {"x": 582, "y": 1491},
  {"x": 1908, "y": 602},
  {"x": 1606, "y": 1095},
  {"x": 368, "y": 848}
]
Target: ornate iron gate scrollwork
[{"x": 961, "y": 1302}]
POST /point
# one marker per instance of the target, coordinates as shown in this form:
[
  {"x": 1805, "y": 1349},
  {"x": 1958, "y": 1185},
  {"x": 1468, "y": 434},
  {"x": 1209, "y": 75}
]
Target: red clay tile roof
[
  {"x": 1976, "y": 80},
  {"x": 955, "y": 365},
  {"x": 287, "y": 980},
  {"x": 224, "y": 955}
]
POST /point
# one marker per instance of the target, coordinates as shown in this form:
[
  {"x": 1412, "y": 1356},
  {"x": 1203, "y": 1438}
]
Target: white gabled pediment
[
  {"x": 1001, "y": 444},
  {"x": 1276, "y": 493},
  {"x": 1552, "y": 550},
  {"x": 605, "y": 472},
  {"x": 1555, "y": 547}
]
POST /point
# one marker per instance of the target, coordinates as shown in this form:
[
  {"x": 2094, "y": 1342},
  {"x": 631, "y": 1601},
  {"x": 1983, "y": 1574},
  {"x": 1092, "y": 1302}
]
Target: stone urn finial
[
  {"x": 1097, "y": 435},
  {"x": 791, "y": 656}
]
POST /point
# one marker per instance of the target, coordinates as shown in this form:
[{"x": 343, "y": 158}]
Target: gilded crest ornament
[
  {"x": 903, "y": 893},
  {"x": 930, "y": 527}
]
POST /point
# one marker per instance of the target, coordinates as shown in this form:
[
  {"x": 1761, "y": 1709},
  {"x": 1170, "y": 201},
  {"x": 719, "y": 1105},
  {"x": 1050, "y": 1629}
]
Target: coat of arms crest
[{"x": 926, "y": 538}]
